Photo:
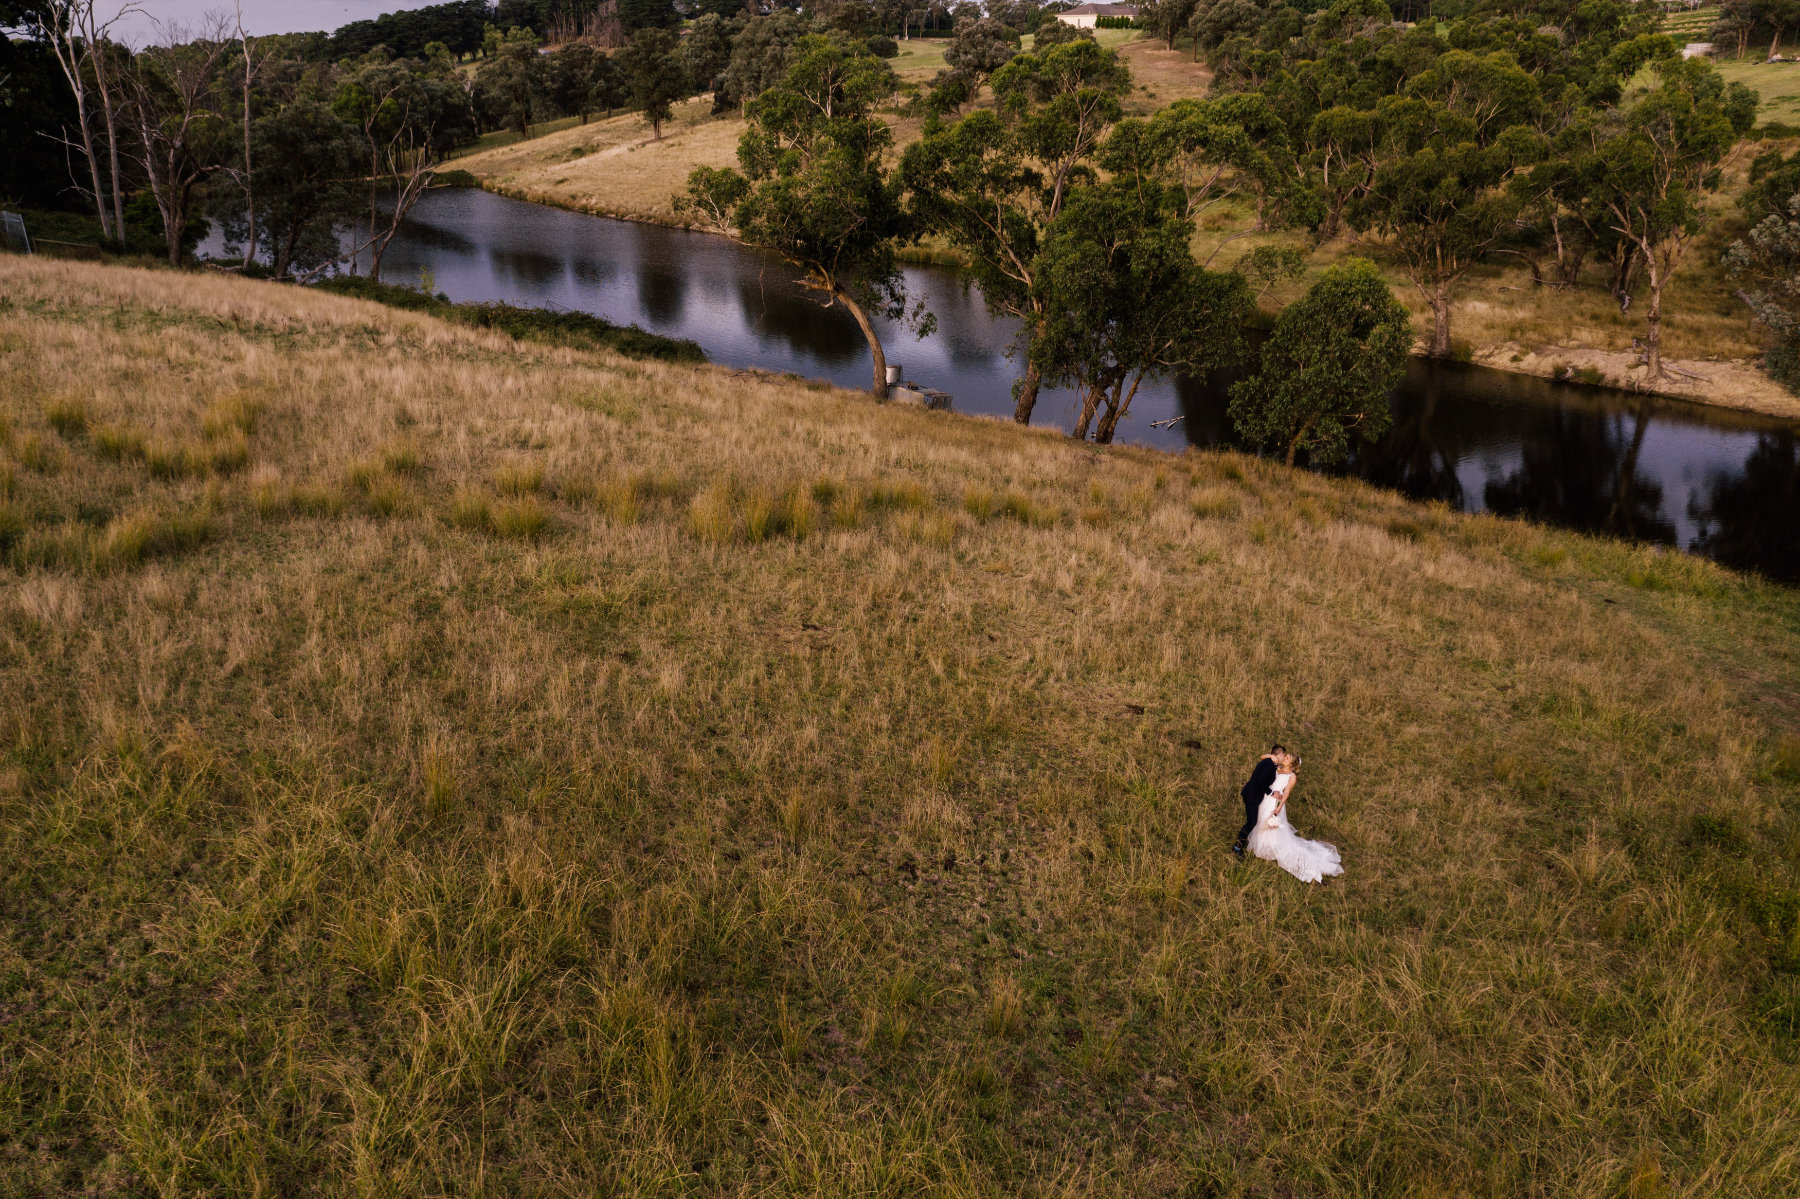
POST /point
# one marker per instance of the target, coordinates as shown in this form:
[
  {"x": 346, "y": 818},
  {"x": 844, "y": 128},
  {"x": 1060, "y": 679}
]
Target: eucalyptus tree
[
  {"x": 406, "y": 114},
  {"x": 815, "y": 188},
  {"x": 515, "y": 79},
  {"x": 306, "y": 159},
  {"x": 1124, "y": 301},
  {"x": 1659, "y": 157},
  {"x": 1327, "y": 368},
  {"x": 1449, "y": 146},
  {"x": 981, "y": 47},
  {"x": 79, "y": 42},
  {"x": 994, "y": 181},
  {"x": 1167, "y": 19},
  {"x": 570, "y": 79},
  {"x": 1767, "y": 262},
  {"x": 653, "y": 74},
  {"x": 706, "y": 53},
  {"x": 174, "y": 91}
]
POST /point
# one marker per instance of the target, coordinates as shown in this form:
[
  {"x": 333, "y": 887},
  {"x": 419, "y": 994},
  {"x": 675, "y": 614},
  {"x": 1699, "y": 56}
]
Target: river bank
[{"x": 1738, "y": 384}]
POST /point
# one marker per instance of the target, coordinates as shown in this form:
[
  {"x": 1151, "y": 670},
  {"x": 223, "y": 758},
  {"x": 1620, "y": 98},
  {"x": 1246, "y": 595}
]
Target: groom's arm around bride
[{"x": 1261, "y": 779}]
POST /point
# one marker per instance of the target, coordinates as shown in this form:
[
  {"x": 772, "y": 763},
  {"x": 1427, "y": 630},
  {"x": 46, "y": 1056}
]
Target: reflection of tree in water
[
  {"x": 1582, "y": 473},
  {"x": 1751, "y": 519},
  {"x": 779, "y": 309},
  {"x": 662, "y": 294},
  {"x": 526, "y": 267},
  {"x": 1409, "y": 457},
  {"x": 1202, "y": 400}
]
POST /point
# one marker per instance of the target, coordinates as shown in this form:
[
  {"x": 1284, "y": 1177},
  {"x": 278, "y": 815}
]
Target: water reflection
[
  {"x": 1722, "y": 483},
  {"x": 1751, "y": 518}
]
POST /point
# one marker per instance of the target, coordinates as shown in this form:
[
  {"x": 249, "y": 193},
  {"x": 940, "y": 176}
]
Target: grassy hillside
[
  {"x": 432, "y": 763},
  {"x": 614, "y": 167}
]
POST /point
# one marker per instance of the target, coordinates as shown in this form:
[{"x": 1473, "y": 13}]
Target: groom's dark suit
[{"x": 1261, "y": 779}]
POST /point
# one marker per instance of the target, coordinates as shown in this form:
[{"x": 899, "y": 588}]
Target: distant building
[
  {"x": 1083, "y": 16},
  {"x": 1697, "y": 50}
]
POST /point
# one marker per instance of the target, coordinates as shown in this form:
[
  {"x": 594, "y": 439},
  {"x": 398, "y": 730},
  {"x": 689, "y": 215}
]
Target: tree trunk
[
  {"x": 1109, "y": 420},
  {"x": 1026, "y": 390},
  {"x": 284, "y": 254},
  {"x": 879, "y": 389},
  {"x": 112, "y": 144},
  {"x": 1089, "y": 404},
  {"x": 1294, "y": 445},
  {"x": 1440, "y": 321},
  {"x": 173, "y": 220},
  {"x": 1653, "y": 324},
  {"x": 77, "y": 85},
  {"x": 1116, "y": 408},
  {"x": 1333, "y": 221}
]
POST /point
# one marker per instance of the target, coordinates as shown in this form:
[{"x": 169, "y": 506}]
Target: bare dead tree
[
  {"x": 65, "y": 25},
  {"x": 97, "y": 37},
  {"x": 173, "y": 89},
  {"x": 246, "y": 177}
]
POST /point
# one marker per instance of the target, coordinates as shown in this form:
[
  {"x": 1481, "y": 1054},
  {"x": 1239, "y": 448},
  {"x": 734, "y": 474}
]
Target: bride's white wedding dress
[{"x": 1274, "y": 838}]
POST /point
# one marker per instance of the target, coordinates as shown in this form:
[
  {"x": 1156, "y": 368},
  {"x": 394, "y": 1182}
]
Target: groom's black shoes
[{"x": 1237, "y": 848}]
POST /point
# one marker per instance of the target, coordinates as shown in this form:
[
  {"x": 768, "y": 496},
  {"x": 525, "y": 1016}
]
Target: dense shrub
[{"x": 882, "y": 46}]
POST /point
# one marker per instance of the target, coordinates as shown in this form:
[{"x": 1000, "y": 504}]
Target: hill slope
[{"x": 438, "y": 764}]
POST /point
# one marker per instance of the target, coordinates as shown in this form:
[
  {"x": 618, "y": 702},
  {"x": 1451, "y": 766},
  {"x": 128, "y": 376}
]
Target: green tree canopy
[
  {"x": 814, "y": 187},
  {"x": 994, "y": 181},
  {"x": 654, "y": 78},
  {"x": 1327, "y": 369},
  {"x": 1124, "y": 301}
]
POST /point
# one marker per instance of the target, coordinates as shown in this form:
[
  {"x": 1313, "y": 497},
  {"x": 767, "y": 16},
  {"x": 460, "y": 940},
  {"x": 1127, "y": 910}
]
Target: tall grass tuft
[
  {"x": 129, "y": 541},
  {"x": 522, "y": 519},
  {"x": 1005, "y": 1016},
  {"x": 402, "y": 457},
  {"x": 711, "y": 516},
  {"x": 519, "y": 479},
  {"x": 118, "y": 441},
  {"x": 68, "y": 418},
  {"x": 471, "y": 509},
  {"x": 978, "y": 502}
]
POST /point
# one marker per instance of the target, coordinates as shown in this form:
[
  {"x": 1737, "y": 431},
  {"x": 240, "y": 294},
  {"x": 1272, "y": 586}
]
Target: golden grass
[
  {"x": 357, "y": 846},
  {"x": 613, "y": 167}
]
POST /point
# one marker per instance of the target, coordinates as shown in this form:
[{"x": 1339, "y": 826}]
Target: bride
[{"x": 1275, "y": 839}]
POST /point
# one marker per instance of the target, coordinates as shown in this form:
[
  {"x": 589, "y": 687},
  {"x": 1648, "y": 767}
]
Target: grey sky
[{"x": 260, "y": 16}]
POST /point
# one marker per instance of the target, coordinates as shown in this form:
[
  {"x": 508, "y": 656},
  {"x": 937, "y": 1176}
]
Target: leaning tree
[{"x": 815, "y": 188}]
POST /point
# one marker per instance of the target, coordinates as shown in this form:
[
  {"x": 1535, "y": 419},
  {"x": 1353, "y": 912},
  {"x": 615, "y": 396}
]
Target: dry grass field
[
  {"x": 613, "y": 167},
  {"x": 435, "y": 764}
]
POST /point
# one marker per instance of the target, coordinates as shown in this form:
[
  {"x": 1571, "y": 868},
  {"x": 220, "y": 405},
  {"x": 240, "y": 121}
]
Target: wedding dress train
[{"x": 1274, "y": 839}]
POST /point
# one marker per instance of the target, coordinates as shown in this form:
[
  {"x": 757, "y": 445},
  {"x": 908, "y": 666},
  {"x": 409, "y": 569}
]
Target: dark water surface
[{"x": 1719, "y": 483}]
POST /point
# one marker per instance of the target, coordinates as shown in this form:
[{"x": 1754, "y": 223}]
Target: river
[{"x": 1716, "y": 482}]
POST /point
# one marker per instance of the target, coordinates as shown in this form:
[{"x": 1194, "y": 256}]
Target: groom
[{"x": 1261, "y": 779}]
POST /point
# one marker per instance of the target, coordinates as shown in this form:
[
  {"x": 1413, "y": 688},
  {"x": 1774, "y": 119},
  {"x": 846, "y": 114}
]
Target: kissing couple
[{"x": 1267, "y": 833}]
